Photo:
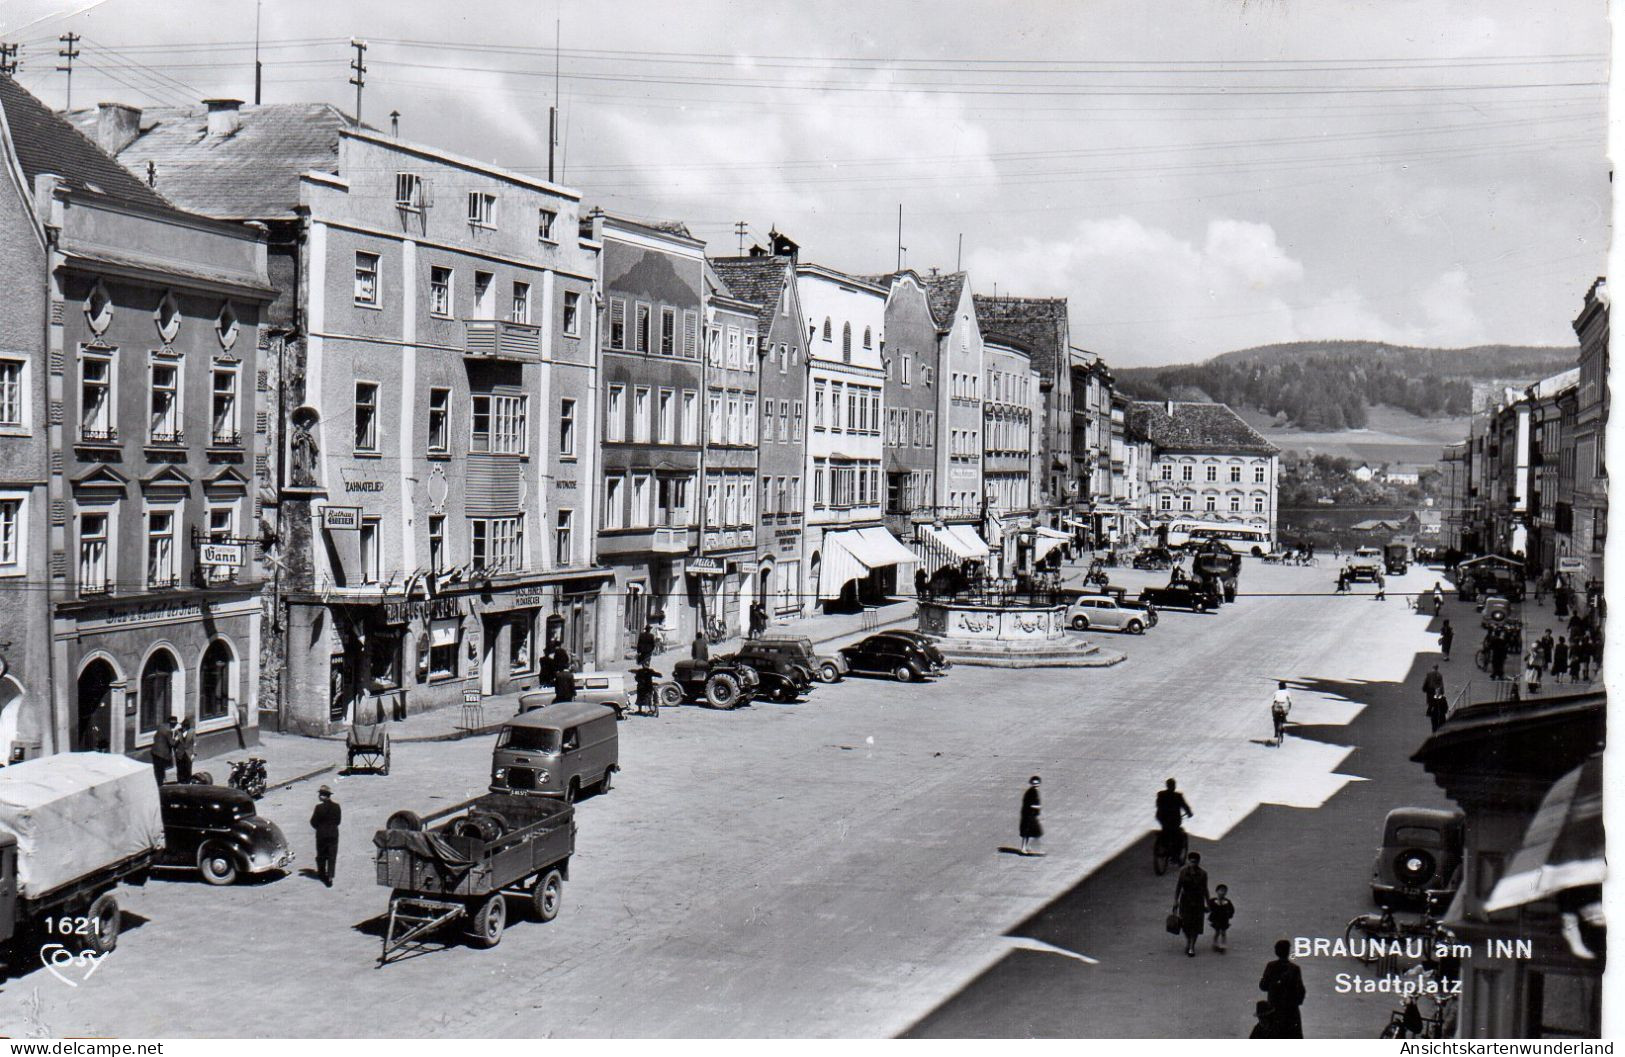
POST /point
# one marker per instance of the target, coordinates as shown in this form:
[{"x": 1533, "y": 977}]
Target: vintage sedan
[
  {"x": 1419, "y": 864},
  {"x": 888, "y": 655},
  {"x": 1102, "y": 613},
  {"x": 216, "y": 829},
  {"x": 1183, "y": 594},
  {"x": 926, "y": 644},
  {"x": 825, "y": 667},
  {"x": 595, "y": 688}
]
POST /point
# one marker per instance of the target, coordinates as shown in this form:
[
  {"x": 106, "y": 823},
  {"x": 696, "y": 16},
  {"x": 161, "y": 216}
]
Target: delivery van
[{"x": 559, "y": 750}]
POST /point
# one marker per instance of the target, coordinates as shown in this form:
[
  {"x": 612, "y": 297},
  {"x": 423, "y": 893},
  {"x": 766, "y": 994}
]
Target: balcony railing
[
  {"x": 95, "y": 588},
  {"x": 166, "y": 436},
  {"x": 226, "y": 438},
  {"x": 162, "y": 583},
  {"x": 88, "y": 435},
  {"x": 498, "y": 339}
]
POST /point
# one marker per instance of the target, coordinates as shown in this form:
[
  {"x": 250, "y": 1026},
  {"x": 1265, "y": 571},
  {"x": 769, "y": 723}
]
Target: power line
[{"x": 68, "y": 54}]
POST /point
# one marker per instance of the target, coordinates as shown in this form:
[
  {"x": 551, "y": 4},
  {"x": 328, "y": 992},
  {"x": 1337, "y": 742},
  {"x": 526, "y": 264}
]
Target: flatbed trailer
[{"x": 462, "y": 864}]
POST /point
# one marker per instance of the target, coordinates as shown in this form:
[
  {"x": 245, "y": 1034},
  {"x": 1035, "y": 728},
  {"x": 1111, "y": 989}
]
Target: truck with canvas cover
[{"x": 72, "y": 827}]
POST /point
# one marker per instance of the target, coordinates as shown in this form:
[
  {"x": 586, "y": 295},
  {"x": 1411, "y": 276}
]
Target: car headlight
[
  {"x": 499, "y": 774},
  {"x": 541, "y": 777}
]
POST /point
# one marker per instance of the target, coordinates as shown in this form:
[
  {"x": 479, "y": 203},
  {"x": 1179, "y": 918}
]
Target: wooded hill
[{"x": 1328, "y": 385}]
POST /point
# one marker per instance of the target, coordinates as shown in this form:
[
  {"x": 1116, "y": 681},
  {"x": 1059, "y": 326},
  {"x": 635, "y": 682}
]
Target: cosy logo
[{"x": 66, "y": 965}]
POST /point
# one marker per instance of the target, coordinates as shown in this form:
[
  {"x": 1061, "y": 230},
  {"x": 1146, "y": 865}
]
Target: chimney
[
  {"x": 117, "y": 126},
  {"x": 1170, "y": 406},
  {"x": 224, "y": 117}
]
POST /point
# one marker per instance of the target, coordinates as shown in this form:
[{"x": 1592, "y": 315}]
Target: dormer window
[
  {"x": 168, "y": 318},
  {"x": 99, "y": 309},
  {"x": 226, "y": 326}
]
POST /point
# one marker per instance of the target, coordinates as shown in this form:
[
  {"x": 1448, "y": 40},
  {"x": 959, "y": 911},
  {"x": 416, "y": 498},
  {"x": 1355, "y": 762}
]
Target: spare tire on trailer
[{"x": 405, "y": 820}]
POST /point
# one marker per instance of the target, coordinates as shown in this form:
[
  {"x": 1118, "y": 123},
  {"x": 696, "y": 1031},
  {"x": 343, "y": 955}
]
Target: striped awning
[
  {"x": 1564, "y": 846},
  {"x": 852, "y": 553}
]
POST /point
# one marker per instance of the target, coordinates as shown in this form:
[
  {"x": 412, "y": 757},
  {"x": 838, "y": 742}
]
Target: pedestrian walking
[
  {"x": 1438, "y": 598},
  {"x": 1531, "y": 668},
  {"x": 1342, "y": 581},
  {"x": 758, "y": 620},
  {"x": 1447, "y": 635},
  {"x": 1280, "y": 708},
  {"x": 700, "y": 649},
  {"x": 648, "y": 701},
  {"x": 1032, "y": 828},
  {"x": 1498, "y": 654},
  {"x": 1587, "y": 650},
  {"x": 163, "y": 748},
  {"x": 1282, "y": 983},
  {"x": 646, "y": 645},
  {"x": 564, "y": 686},
  {"x": 1382, "y": 588},
  {"x": 185, "y": 751},
  {"x": 922, "y": 583},
  {"x": 1547, "y": 645},
  {"x": 325, "y": 821},
  {"x": 1543, "y": 584},
  {"x": 1560, "y": 659},
  {"x": 1434, "y": 696},
  {"x": 1560, "y": 602},
  {"x": 1190, "y": 900},
  {"x": 1577, "y": 657},
  {"x": 1219, "y": 913}
]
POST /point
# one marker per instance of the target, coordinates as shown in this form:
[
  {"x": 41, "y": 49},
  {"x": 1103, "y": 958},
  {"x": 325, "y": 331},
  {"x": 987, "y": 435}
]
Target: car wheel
[
  {"x": 572, "y": 791},
  {"x": 670, "y": 694},
  {"x": 217, "y": 864},
  {"x": 828, "y": 672},
  {"x": 904, "y": 673},
  {"x": 405, "y": 820},
  {"x": 202, "y": 778},
  {"x": 547, "y": 896},
  {"x": 1080, "y": 623},
  {"x": 722, "y": 691},
  {"x": 489, "y": 921},
  {"x": 105, "y": 921},
  {"x": 1136, "y": 628},
  {"x": 607, "y": 782}
]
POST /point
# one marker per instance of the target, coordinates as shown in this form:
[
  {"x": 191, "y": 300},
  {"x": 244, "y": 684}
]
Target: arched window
[
  {"x": 157, "y": 690},
  {"x": 846, "y": 342},
  {"x": 215, "y": 682},
  {"x": 829, "y": 334},
  {"x": 868, "y": 338},
  {"x": 94, "y": 719}
]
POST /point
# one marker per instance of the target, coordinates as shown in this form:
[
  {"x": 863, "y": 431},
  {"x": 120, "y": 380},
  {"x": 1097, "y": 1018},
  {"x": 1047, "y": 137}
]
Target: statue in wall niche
[{"x": 303, "y": 449}]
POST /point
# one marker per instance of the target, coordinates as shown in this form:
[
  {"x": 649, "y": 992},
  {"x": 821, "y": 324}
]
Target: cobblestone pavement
[{"x": 830, "y": 868}]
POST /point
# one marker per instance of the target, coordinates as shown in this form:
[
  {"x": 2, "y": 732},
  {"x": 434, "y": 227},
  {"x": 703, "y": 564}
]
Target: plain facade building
[{"x": 1208, "y": 465}]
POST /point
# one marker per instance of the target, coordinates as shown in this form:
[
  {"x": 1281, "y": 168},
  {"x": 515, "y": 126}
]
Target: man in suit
[
  {"x": 163, "y": 748},
  {"x": 1282, "y": 982},
  {"x": 185, "y": 751},
  {"x": 325, "y": 821}
]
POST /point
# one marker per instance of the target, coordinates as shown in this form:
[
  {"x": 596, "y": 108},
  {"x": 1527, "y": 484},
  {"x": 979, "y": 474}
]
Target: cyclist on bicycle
[{"x": 1172, "y": 811}]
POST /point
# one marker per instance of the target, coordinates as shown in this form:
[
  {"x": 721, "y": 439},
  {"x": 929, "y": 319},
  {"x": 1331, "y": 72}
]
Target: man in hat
[
  {"x": 163, "y": 747},
  {"x": 325, "y": 821}
]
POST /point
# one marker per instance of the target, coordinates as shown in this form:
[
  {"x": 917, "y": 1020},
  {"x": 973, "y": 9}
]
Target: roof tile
[{"x": 1196, "y": 426}]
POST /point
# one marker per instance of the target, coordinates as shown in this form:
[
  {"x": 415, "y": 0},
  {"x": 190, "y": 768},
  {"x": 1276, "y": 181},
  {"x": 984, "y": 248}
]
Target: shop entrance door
[
  {"x": 489, "y": 626},
  {"x": 93, "y": 721}
]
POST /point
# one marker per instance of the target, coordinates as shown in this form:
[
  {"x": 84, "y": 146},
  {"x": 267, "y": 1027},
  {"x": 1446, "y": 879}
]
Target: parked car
[
  {"x": 888, "y": 655},
  {"x": 1099, "y": 612},
  {"x": 825, "y": 667},
  {"x": 1154, "y": 558},
  {"x": 1184, "y": 594},
  {"x": 557, "y": 751},
  {"x": 594, "y": 688},
  {"x": 721, "y": 682},
  {"x": 1419, "y": 863},
  {"x": 782, "y": 678},
  {"x": 216, "y": 829},
  {"x": 927, "y": 645}
]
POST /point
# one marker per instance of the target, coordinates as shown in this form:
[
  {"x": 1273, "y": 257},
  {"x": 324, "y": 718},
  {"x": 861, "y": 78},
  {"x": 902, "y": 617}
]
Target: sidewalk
[{"x": 293, "y": 754}]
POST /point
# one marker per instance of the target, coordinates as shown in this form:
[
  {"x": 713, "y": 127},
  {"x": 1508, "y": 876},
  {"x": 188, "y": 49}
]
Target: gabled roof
[
  {"x": 758, "y": 280},
  {"x": 1196, "y": 427},
  {"x": 1038, "y": 325},
  {"x": 47, "y": 143},
  {"x": 942, "y": 293},
  {"x": 251, "y": 174}
]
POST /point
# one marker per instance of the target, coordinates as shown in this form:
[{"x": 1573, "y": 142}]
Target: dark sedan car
[
  {"x": 1182, "y": 595},
  {"x": 925, "y": 643},
  {"x": 888, "y": 655},
  {"x": 216, "y": 829},
  {"x": 1419, "y": 863}
]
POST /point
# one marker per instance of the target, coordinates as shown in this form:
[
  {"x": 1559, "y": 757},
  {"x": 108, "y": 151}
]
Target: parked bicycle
[
  {"x": 1410, "y": 1023},
  {"x": 1373, "y": 938}
]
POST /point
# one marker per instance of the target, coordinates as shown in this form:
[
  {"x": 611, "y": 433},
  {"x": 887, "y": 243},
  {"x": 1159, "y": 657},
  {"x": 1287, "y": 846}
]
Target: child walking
[{"x": 1219, "y": 912}]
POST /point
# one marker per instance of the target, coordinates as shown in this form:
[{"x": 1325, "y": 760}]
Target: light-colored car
[
  {"x": 593, "y": 688},
  {"x": 1098, "y": 612}
]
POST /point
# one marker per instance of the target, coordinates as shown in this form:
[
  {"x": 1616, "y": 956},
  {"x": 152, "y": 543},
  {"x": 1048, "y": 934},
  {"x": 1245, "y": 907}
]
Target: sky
[{"x": 1194, "y": 176}]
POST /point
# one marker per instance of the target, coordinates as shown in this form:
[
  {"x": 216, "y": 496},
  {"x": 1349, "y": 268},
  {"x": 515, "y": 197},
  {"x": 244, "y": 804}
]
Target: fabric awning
[
  {"x": 967, "y": 537},
  {"x": 1564, "y": 846},
  {"x": 886, "y": 548},
  {"x": 1054, "y": 534},
  {"x": 948, "y": 541},
  {"x": 1044, "y": 545},
  {"x": 1142, "y": 526},
  {"x": 1075, "y": 523},
  {"x": 1486, "y": 558},
  {"x": 852, "y": 553}
]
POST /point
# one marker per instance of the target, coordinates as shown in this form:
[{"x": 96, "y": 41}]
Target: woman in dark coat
[
  {"x": 1190, "y": 900},
  {"x": 1447, "y": 635},
  {"x": 1032, "y": 830}
]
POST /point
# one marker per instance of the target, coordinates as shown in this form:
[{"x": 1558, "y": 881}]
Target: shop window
[
  {"x": 521, "y": 643},
  {"x": 1563, "y": 1006},
  {"x": 157, "y": 690},
  {"x": 215, "y": 682},
  {"x": 384, "y": 660},
  {"x": 444, "y": 638}
]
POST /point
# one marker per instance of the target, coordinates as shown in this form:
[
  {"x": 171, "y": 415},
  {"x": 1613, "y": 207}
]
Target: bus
[{"x": 1185, "y": 533}]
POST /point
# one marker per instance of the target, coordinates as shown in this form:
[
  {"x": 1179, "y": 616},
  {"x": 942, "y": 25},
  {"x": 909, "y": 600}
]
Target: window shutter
[
  {"x": 691, "y": 334},
  {"x": 426, "y": 189},
  {"x": 617, "y": 321}
]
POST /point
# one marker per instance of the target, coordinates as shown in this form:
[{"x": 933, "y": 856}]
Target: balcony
[
  {"x": 89, "y": 435},
  {"x": 226, "y": 438},
  {"x": 166, "y": 437},
  {"x": 652, "y": 540},
  {"x": 498, "y": 339}
]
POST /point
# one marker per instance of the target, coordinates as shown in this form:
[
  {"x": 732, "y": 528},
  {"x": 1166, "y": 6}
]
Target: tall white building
[
  {"x": 1207, "y": 465},
  {"x": 850, "y": 555}
]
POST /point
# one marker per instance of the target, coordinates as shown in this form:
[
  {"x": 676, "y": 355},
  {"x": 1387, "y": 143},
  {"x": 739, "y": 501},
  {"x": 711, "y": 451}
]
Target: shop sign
[
  {"x": 363, "y": 486},
  {"x": 704, "y": 567},
  {"x": 1572, "y": 565},
  {"x": 471, "y": 697},
  {"x": 570, "y": 485},
  {"x": 221, "y": 554},
  {"x": 339, "y": 518},
  {"x": 148, "y": 614},
  {"x": 529, "y": 599},
  {"x": 430, "y": 609}
]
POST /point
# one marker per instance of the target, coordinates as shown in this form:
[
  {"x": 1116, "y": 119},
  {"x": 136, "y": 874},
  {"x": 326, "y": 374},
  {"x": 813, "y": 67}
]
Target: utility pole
[
  {"x": 553, "y": 111},
  {"x": 740, "y": 228},
  {"x": 8, "y": 60},
  {"x": 68, "y": 53},
  {"x": 258, "y": 68},
  {"x": 360, "y": 78},
  {"x": 960, "y": 256}
]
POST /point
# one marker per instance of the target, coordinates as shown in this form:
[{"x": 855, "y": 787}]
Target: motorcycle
[{"x": 249, "y": 776}]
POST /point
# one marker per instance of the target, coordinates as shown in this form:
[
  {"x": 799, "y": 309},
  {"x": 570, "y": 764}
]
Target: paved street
[{"x": 833, "y": 868}]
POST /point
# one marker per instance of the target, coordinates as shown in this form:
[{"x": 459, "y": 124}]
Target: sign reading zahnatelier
[{"x": 335, "y": 518}]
